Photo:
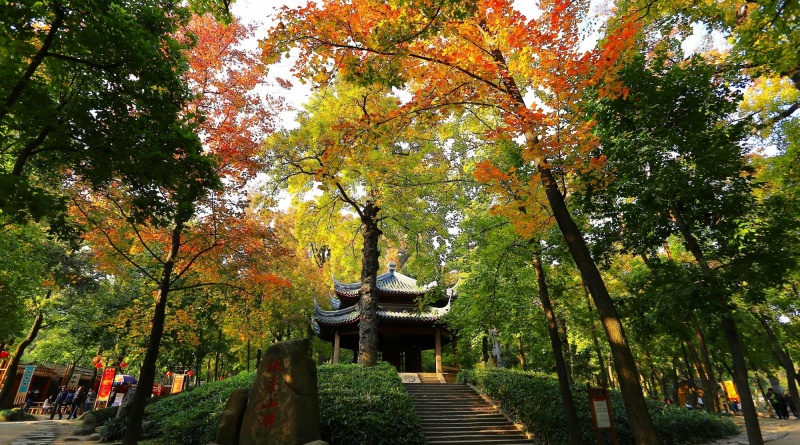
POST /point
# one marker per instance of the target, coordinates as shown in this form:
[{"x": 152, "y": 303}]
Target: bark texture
[
  {"x": 368, "y": 298},
  {"x": 6, "y": 396},
  {"x": 148, "y": 372},
  {"x": 573, "y": 425}
]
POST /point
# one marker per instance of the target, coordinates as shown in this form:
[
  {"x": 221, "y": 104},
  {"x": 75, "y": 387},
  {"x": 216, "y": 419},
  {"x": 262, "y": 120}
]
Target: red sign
[
  {"x": 158, "y": 390},
  {"x": 177, "y": 383},
  {"x": 105, "y": 385}
]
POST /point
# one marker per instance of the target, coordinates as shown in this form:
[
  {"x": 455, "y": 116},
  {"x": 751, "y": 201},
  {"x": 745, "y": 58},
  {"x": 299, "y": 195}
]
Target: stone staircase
[{"x": 455, "y": 414}]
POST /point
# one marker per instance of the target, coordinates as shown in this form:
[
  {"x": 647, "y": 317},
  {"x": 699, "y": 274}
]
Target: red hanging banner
[{"x": 105, "y": 385}]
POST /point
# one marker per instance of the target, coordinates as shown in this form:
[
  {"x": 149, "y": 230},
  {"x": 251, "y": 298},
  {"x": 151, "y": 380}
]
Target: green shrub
[
  {"x": 14, "y": 415},
  {"x": 103, "y": 415},
  {"x": 192, "y": 417},
  {"x": 535, "y": 401},
  {"x": 366, "y": 406},
  {"x": 113, "y": 429}
]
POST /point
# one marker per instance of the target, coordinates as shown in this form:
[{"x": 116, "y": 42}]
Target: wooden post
[
  {"x": 336, "y": 342},
  {"x": 601, "y": 413},
  {"x": 438, "y": 346}
]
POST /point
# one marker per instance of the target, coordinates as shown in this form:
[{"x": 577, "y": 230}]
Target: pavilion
[{"x": 404, "y": 328}]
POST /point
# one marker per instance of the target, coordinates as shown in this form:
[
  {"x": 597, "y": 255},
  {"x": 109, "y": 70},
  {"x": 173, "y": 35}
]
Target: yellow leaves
[{"x": 769, "y": 95}]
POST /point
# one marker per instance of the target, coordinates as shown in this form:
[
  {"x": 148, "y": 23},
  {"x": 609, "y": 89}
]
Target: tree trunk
[
  {"x": 6, "y": 396},
  {"x": 783, "y": 357},
  {"x": 573, "y": 425},
  {"x": 521, "y": 354},
  {"x": 706, "y": 361},
  {"x": 368, "y": 298},
  {"x": 200, "y": 355},
  {"x": 635, "y": 406},
  {"x": 565, "y": 346},
  {"x": 595, "y": 341},
  {"x": 740, "y": 377},
  {"x": 148, "y": 371},
  {"x": 709, "y": 392},
  {"x": 689, "y": 374},
  {"x": 731, "y": 332}
]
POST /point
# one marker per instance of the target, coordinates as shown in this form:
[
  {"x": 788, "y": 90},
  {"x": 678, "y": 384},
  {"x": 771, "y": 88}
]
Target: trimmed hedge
[
  {"x": 366, "y": 406},
  {"x": 357, "y": 406},
  {"x": 14, "y": 415},
  {"x": 534, "y": 400},
  {"x": 192, "y": 417}
]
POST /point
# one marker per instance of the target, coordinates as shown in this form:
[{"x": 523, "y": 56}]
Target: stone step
[
  {"x": 508, "y": 430},
  {"x": 477, "y": 441},
  {"x": 455, "y": 414}
]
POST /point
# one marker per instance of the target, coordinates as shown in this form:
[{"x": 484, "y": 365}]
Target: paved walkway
[{"x": 55, "y": 432}]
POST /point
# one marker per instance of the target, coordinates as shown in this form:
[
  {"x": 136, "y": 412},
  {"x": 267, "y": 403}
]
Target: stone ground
[{"x": 59, "y": 432}]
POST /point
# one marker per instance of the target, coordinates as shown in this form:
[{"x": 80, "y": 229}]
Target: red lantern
[
  {"x": 123, "y": 364},
  {"x": 98, "y": 365},
  {"x": 191, "y": 373},
  {"x": 169, "y": 373},
  {"x": 3, "y": 354}
]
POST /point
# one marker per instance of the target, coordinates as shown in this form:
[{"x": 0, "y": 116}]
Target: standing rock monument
[{"x": 283, "y": 405}]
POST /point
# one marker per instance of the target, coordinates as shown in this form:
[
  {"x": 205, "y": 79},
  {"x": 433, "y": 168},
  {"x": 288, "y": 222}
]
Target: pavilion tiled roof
[
  {"x": 385, "y": 312},
  {"x": 391, "y": 282}
]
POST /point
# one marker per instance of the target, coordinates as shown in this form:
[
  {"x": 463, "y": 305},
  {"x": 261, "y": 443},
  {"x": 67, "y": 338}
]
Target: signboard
[
  {"x": 158, "y": 389},
  {"x": 27, "y": 376},
  {"x": 24, "y": 385},
  {"x": 117, "y": 400},
  {"x": 177, "y": 383},
  {"x": 105, "y": 385},
  {"x": 601, "y": 415},
  {"x": 601, "y": 412},
  {"x": 74, "y": 380},
  {"x": 730, "y": 388}
]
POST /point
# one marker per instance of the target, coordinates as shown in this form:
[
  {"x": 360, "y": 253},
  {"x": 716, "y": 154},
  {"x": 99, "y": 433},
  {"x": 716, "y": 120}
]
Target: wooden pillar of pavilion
[
  {"x": 336, "y": 342},
  {"x": 438, "y": 348}
]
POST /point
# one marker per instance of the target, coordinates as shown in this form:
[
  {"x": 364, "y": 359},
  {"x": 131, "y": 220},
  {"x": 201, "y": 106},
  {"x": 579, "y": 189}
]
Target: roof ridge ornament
[{"x": 392, "y": 267}]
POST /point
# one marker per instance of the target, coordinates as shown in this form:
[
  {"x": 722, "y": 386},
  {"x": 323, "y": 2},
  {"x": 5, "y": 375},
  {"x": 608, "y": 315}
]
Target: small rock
[
  {"x": 127, "y": 401},
  {"x": 94, "y": 437},
  {"x": 230, "y": 422}
]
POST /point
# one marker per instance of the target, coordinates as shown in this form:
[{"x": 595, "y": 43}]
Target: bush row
[
  {"x": 14, "y": 415},
  {"x": 534, "y": 400},
  {"x": 357, "y": 406},
  {"x": 366, "y": 406}
]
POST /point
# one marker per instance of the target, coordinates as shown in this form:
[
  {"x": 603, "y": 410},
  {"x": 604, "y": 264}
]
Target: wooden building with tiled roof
[{"x": 404, "y": 328}]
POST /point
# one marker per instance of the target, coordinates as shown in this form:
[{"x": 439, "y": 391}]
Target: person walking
[
  {"x": 777, "y": 404},
  {"x": 59, "y": 402},
  {"x": 68, "y": 404},
  {"x": 787, "y": 400},
  {"x": 77, "y": 402},
  {"x": 91, "y": 396}
]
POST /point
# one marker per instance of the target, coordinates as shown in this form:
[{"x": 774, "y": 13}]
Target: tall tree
[
  {"x": 195, "y": 213},
  {"x": 364, "y": 158},
  {"x": 484, "y": 54},
  {"x": 36, "y": 271},
  {"x": 85, "y": 84},
  {"x": 687, "y": 176}
]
